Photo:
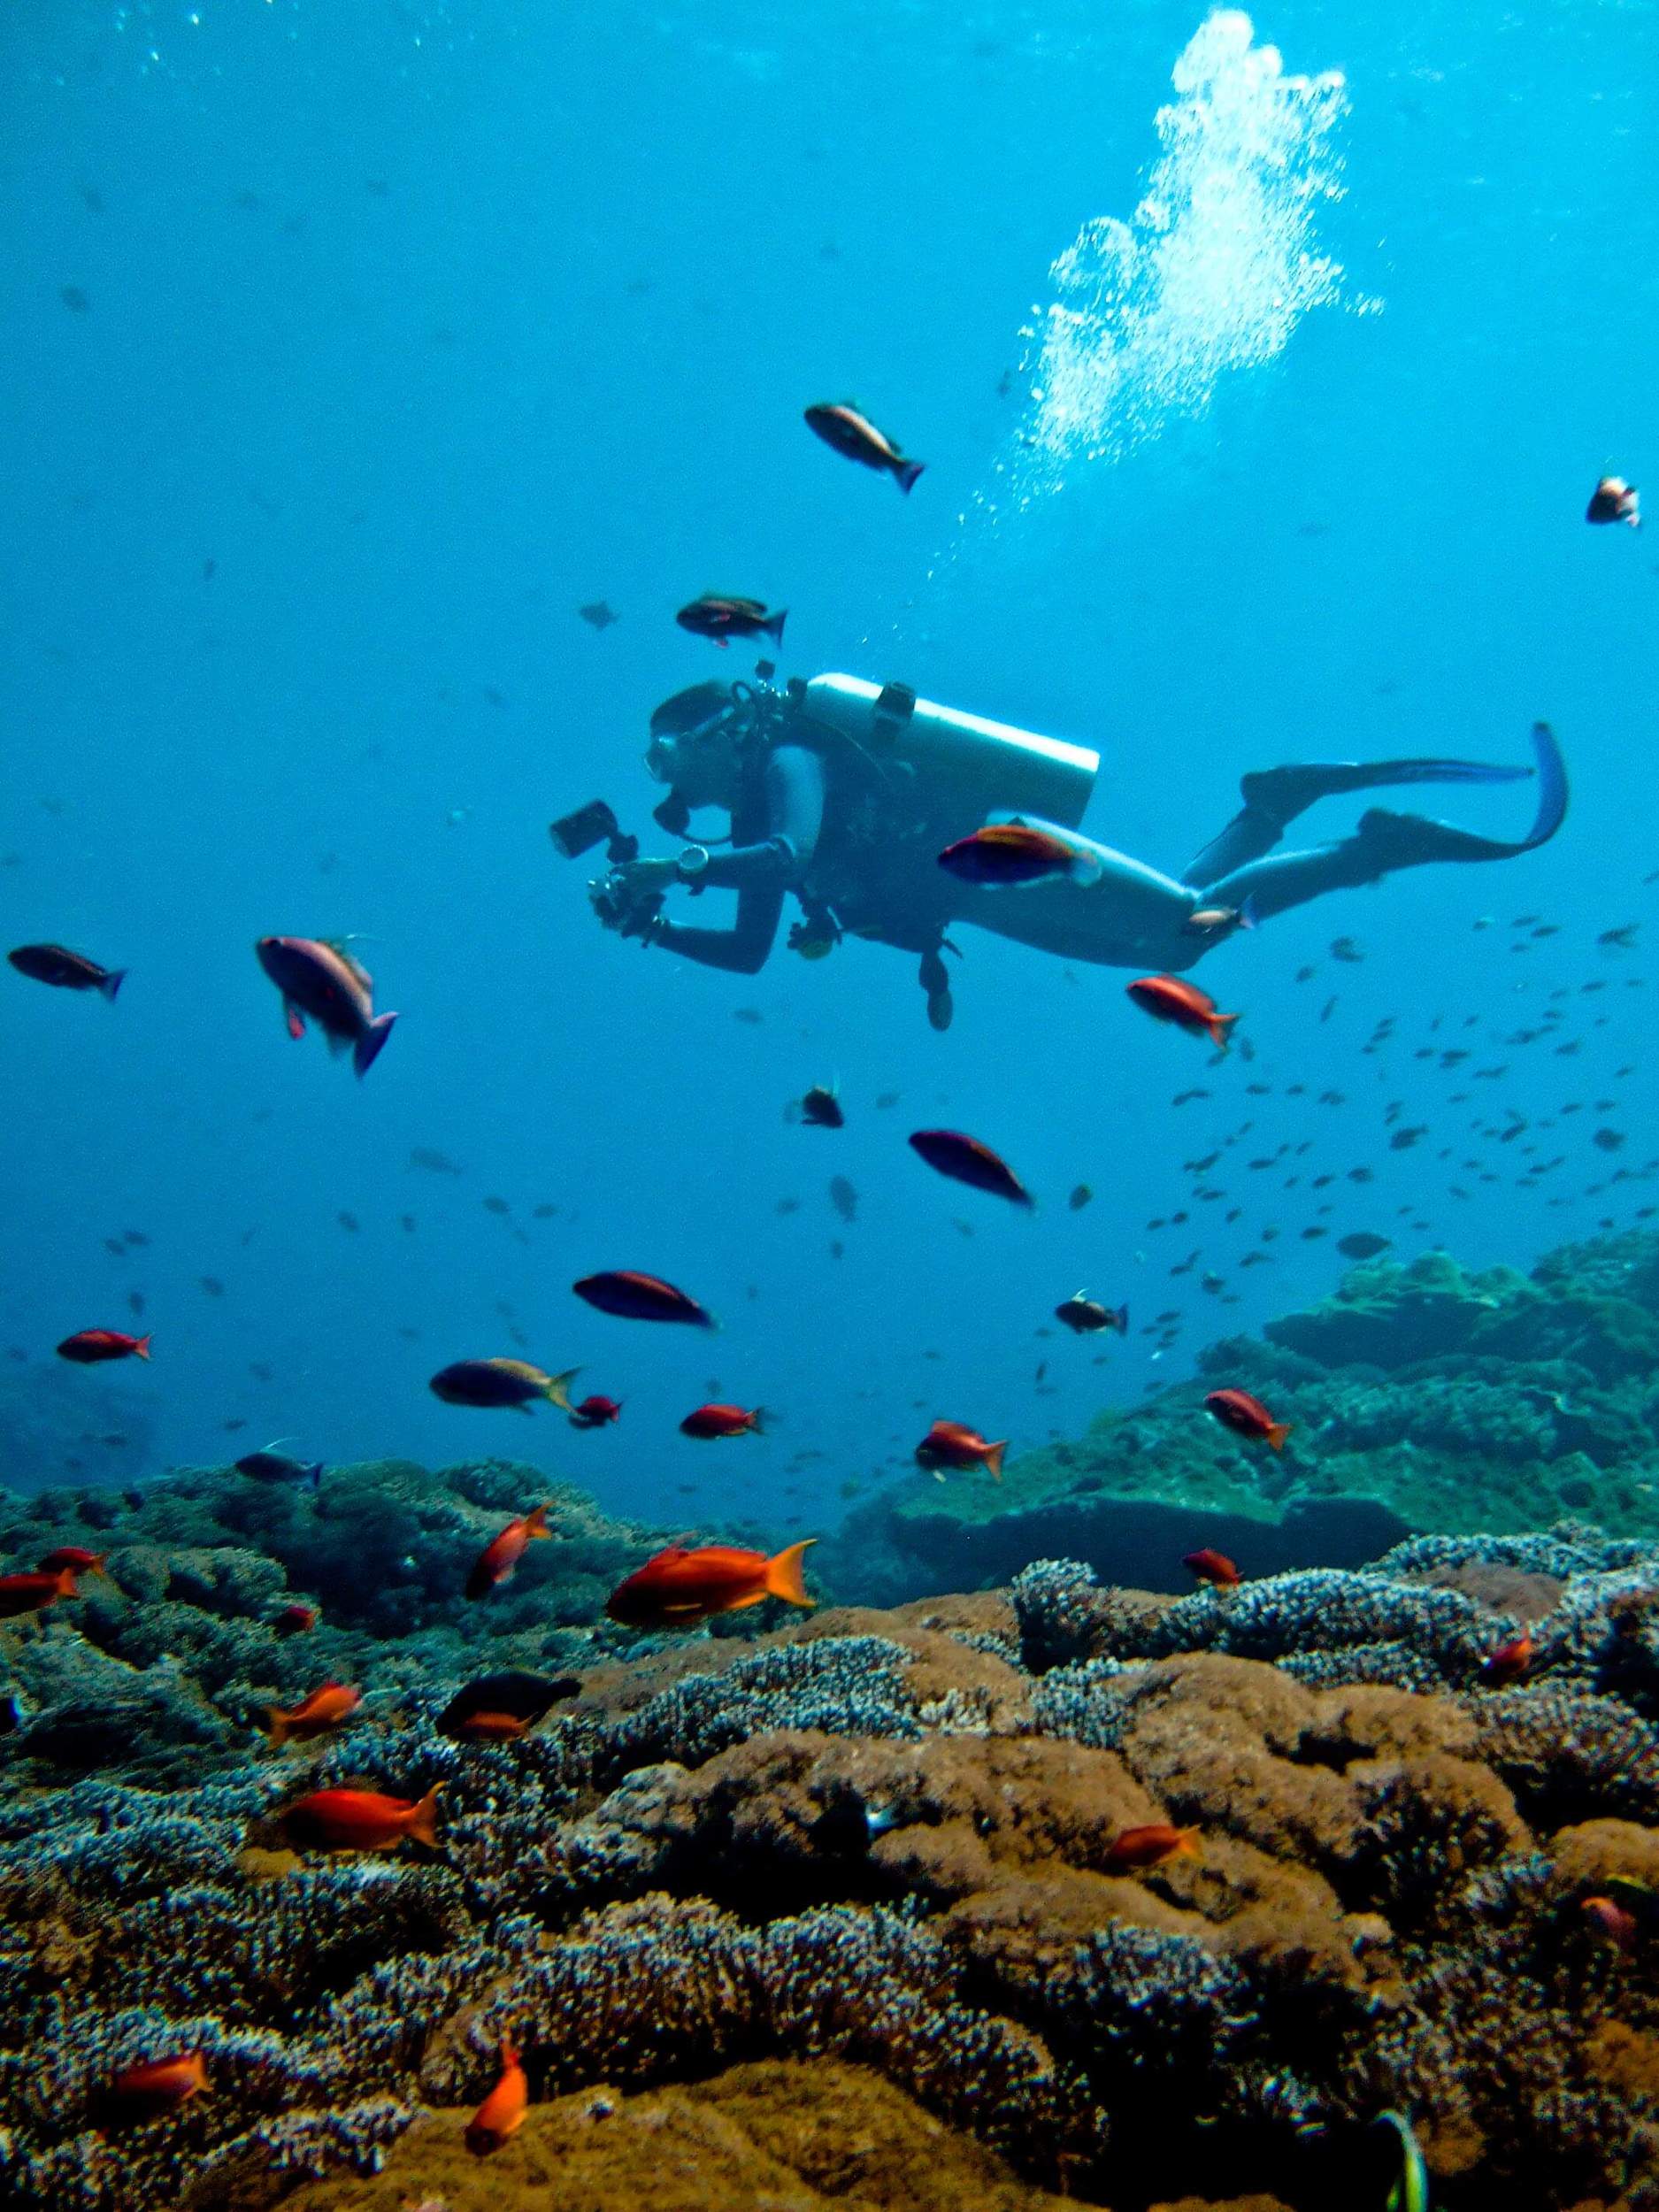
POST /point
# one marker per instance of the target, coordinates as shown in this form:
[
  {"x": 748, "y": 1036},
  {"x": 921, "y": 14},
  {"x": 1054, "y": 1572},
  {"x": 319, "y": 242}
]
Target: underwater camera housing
[{"x": 578, "y": 832}]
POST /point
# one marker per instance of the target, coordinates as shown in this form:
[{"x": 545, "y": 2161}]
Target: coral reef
[
  {"x": 830, "y": 1910},
  {"x": 1422, "y": 1397}
]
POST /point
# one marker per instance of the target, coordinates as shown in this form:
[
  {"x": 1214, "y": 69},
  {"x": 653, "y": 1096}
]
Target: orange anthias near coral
[
  {"x": 361, "y": 1820},
  {"x": 502, "y": 2112},
  {"x": 314, "y": 1716},
  {"x": 501, "y": 1555},
  {"x": 680, "y": 1587},
  {"x": 158, "y": 2085},
  {"x": 1138, "y": 1850}
]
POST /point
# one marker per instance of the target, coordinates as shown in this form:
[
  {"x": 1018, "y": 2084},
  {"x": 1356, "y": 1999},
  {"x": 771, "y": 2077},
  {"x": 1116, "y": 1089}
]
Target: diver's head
[{"x": 694, "y": 744}]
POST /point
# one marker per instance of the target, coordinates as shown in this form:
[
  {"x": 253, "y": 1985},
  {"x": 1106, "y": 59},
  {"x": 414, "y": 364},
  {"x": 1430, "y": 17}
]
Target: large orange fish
[
  {"x": 34, "y": 1593},
  {"x": 315, "y": 1714},
  {"x": 502, "y": 2112},
  {"x": 1135, "y": 1850},
  {"x": 324, "y": 981},
  {"x": 157, "y": 2087},
  {"x": 361, "y": 1820},
  {"x": 1247, "y": 1416},
  {"x": 501, "y": 1555},
  {"x": 1168, "y": 999},
  {"x": 952, "y": 1444},
  {"x": 680, "y": 1587}
]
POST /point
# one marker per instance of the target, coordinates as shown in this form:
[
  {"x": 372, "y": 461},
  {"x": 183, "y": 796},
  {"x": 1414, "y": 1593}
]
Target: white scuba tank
[{"x": 964, "y": 768}]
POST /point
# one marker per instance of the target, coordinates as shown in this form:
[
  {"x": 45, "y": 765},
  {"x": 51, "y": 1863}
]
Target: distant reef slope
[{"x": 1422, "y": 1398}]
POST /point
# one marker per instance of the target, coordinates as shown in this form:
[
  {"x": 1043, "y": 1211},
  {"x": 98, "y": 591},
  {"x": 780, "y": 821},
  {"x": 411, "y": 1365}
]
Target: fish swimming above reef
[
  {"x": 1086, "y": 1316},
  {"x": 499, "y": 1559},
  {"x": 1012, "y": 854},
  {"x": 721, "y": 617},
  {"x": 22, "y": 1593},
  {"x": 509, "y": 1385},
  {"x": 325, "y": 1708},
  {"x": 1168, "y": 999},
  {"x": 1138, "y": 1850},
  {"x": 952, "y": 1444},
  {"x": 713, "y": 1421},
  {"x": 1247, "y": 1416},
  {"x": 323, "y": 980},
  {"x": 856, "y": 438},
  {"x": 502, "y": 2113},
  {"x": 270, "y": 1465},
  {"x": 76, "y": 1557},
  {"x": 1509, "y": 1662},
  {"x": 1214, "y": 1567},
  {"x": 152, "y": 2088},
  {"x": 64, "y": 970},
  {"x": 361, "y": 1820},
  {"x": 632, "y": 1297},
  {"x": 1362, "y": 1244},
  {"x": 501, "y": 1708},
  {"x": 681, "y": 1587},
  {"x": 965, "y": 1160},
  {"x": 90, "y": 1348}
]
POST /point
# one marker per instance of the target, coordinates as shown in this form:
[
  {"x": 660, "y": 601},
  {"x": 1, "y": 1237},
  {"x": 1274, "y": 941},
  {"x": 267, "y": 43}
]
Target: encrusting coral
[{"x": 881, "y": 1842}]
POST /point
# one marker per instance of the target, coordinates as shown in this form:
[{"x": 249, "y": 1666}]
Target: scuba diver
[{"x": 845, "y": 793}]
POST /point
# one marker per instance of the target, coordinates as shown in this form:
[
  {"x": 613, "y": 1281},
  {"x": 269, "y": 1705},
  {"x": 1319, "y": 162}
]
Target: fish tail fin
[
  {"x": 423, "y": 1822},
  {"x": 1247, "y": 914},
  {"x": 1123, "y": 1320},
  {"x": 370, "y": 1045},
  {"x": 559, "y": 1388},
  {"x": 278, "y": 1727},
  {"x": 314, "y": 1474},
  {"x": 111, "y": 983},
  {"x": 905, "y": 473},
  {"x": 757, "y": 1421},
  {"x": 1276, "y": 1431},
  {"x": 1219, "y": 1026},
  {"x": 535, "y": 1522},
  {"x": 1188, "y": 1845},
  {"x": 773, "y": 626},
  {"x": 993, "y": 1460},
  {"x": 141, "y": 1350},
  {"x": 783, "y": 1574}
]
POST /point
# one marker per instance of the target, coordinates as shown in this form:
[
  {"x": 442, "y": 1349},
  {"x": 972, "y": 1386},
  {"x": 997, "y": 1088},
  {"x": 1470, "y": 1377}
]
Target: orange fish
[
  {"x": 502, "y": 2112},
  {"x": 294, "y": 1620},
  {"x": 1134, "y": 1850},
  {"x": 951, "y": 1444},
  {"x": 713, "y": 1421},
  {"x": 1012, "y": 853},
  {"x": 362, "y": 1820},
  {"x": 501, "y": 1555},
  {"x": 1213, "y": 1567},
  {"x": 1246, "y": 1416},
  {"x": 680, "y": 1587},
  {"x": 1168, "y": 999},
  {"x": 1622, "y": 1929},
  {"x": 76, "y": 1557},
  {"x": 316, "y": 1715},
  {"x": 1509, "y": 1662},
  {"x": 88, "y": 1347},
  {"x": 158, "y": 2085},
  {"x": 34, "y": 1593}
]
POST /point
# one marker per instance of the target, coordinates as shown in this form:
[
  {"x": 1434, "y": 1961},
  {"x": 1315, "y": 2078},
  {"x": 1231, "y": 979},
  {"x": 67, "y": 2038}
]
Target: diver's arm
[
  {"x": 741, "y": 950},
  {"x": 795, "y": 809}
]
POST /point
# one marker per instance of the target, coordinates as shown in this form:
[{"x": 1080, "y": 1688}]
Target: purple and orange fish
[
  {"x": 1168, "y": 999},
  {"x": 324, "y": 980}
]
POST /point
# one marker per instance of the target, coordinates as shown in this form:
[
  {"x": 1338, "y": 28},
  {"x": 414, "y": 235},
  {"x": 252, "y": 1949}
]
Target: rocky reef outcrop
[
  {"x": 870, "y": 1855},
  {"x": 1422, "y": 1398}
]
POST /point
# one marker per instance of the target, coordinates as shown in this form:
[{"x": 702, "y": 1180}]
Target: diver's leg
[{"x": 1274, "y": 797}]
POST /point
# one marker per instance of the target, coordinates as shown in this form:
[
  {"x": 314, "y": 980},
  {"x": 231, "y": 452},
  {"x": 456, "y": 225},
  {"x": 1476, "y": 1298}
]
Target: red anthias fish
[
  {"x": 89, "y": 1347},
  {"x": 34, "y": 1593},
  {"x": 854, "y": 436},
  {"x": 1007, "y": 854},
  {"x": 637, "y": 1297},
  {"x": 76, "y": 1557},
  {"x": 1213, "y": 1567},
  {"x": 502, "y": 2112},
  {"x": 1509, "y": 1662},
  {"x": 157, "y": 2086},
  {"x": 594, "y": 1412},
  {"x": 1134, "y": 1850},
  {"x": 965, "y": 1160},
  {"x": 362, "y": 1820},
  {"x": 951, "y": 1444},
  {"x": 1168, "y": 999},
  {"x": 1246, "y": 1416},
  {"x": 324, "y": 981},
  {"x": 1611, "y": 1921},
  {"x": 717, "y": 1421},
  {"x": 314, "y": 1716},
  {"x": 501, "y": 1555},
  {"x": 67, "y": 971},
  {"x": 680, "y": 1587},
  {"x": 723, "y": 616},
  {"x": 295, "y": 1620}
]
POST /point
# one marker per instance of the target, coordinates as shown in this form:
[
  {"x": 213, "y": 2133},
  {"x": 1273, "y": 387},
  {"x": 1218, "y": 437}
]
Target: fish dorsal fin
[{"x": 342, "y": 948}]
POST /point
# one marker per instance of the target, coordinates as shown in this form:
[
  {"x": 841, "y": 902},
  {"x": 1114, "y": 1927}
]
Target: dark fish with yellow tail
[
  {"x": 501, "y": 1384},
  {"x": 856, "y": 438}
]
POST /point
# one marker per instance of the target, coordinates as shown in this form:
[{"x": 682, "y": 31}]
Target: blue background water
[{"x": 424, "y": 325}]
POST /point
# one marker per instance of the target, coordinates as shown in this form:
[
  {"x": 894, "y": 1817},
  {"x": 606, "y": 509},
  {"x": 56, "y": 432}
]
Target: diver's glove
[{"x": 629, "y": 898}]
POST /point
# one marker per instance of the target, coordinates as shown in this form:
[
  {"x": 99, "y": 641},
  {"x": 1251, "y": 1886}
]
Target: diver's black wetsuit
[{"x": 787, "y": 819}]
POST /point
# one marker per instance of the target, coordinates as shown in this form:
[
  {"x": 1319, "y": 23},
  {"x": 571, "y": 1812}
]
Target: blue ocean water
[{"x": 349, "y": 352}]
